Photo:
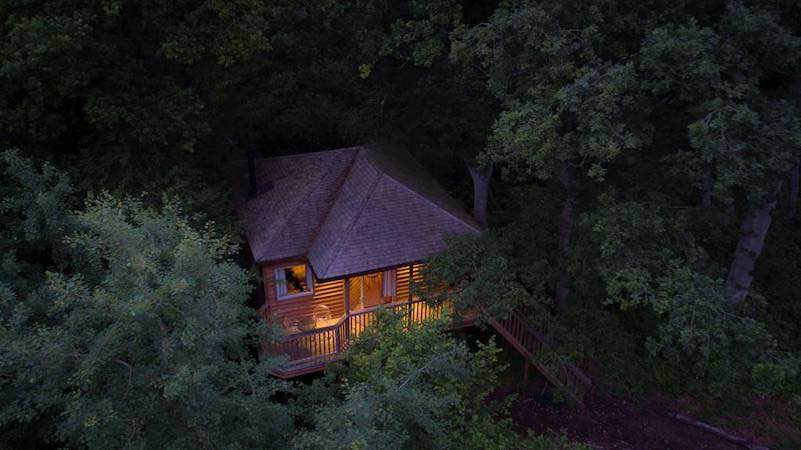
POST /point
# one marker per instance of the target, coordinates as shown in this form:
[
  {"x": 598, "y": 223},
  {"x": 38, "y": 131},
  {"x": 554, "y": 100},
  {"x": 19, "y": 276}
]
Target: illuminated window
[{"x": 293, "y": 281}]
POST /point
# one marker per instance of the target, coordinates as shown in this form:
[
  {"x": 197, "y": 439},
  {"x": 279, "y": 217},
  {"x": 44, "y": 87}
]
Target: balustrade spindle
[{"x": 309, "y": 350}]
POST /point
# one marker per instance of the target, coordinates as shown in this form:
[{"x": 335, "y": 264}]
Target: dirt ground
[{"x": 608, "y": 423}]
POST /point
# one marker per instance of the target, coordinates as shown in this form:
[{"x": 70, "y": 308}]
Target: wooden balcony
[{"x": 310, "y": 351}]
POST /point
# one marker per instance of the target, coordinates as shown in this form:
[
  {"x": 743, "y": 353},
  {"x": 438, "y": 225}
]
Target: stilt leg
[{"x": 526, "y": 365}]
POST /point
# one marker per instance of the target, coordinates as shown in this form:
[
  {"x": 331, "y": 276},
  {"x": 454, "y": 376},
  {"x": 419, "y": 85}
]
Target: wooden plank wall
[
  {"x": 330, "y": 294},
  {"x": 402, "y": 283},
  {"x": 354, "y": 293},
  {"x": 402, "y": 277},
  {"x": 418, "y": 273}
]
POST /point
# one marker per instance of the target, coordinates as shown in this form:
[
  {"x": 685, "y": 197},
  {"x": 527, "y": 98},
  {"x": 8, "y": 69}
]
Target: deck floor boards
[{"x": 310, "y": 351}]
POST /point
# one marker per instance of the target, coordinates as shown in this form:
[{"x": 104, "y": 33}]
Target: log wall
[{"x": 330, "y": 295}]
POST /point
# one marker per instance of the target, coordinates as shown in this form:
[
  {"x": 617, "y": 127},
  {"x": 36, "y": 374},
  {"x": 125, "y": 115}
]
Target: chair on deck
[{"x": 321, "y": 314}]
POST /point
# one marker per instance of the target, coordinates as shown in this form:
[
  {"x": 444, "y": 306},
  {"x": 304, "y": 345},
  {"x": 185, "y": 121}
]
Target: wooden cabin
[{"x": 339, "y": 234}]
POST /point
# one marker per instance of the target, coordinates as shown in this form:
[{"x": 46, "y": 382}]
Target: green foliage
[
  {"x": 635, "y": 99},
  {"x": 403, "y": 388},
  {"x": 739, "y": 135},
  {"x": 142, "y": 339},
  {"x": 423, "y": 38},
  {"x": 33, "y": 217},
  {"x": 153, "y": 282},
  {"x": 681, "y": 60},
  {"x": 418, "y": 388},
  {"x": 562, "y": 103},
  {"x": 650, "y": 103},
  {"x": 35, "y": 201},
  {"x": 506, "y": 267},
  {"x": 646, "y": 262},
  {"x": 126, "y": 89},
  {"x": 139, "y": 337},
  {"x": 778, "y": 377},
  {"x": 778, "y": 280},
  {"x": 225, "y": 33},
  {"x": 479, "y": 274},
  {"x": 698, "y": 328}
]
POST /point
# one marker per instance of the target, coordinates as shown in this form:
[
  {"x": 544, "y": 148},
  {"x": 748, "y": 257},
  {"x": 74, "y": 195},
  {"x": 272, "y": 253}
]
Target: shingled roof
[{"x": 351, "y": 210}]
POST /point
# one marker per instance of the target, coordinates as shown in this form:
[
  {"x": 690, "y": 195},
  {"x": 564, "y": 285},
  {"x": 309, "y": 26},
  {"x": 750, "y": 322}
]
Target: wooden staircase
[
  {"x": 526, "y": 340},
  {"x": 310, "y": 351}
]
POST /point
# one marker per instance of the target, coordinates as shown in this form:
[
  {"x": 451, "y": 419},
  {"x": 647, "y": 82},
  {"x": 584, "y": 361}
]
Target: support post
[
  {"x": 526, "y": 365},
  {"x": 411, "y": 275},
  {"x": 347, "y": 309},
  {"x": 361, "y": 292}
]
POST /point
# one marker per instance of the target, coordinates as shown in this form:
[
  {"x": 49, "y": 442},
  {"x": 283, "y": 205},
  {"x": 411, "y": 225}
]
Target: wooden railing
[
  {"x": 530, "y": 343},
  {"x": 309, "y": 351}
]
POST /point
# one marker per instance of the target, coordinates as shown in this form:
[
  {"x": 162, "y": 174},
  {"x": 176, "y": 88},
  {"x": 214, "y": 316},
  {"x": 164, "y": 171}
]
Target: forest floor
[
  {"x": 611, "y": 422},
  {"x": 607, "y": 422}
]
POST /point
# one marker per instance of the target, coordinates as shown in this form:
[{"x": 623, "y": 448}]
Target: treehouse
[{"x": 337, "y": 235}]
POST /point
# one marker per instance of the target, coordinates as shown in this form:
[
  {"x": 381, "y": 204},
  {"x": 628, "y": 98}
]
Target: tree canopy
[{"x": 636, "y": 164}]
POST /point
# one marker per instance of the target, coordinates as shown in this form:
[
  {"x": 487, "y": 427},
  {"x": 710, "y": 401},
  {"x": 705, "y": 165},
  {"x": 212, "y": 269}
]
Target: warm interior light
[{"x": 296, "y": 281}]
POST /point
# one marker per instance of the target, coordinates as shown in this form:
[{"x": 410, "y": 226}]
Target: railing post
[
  {"x": 347, "y": 309},
  {"x": 411, "y": 276},
  {"x": 411, "y": 308}
]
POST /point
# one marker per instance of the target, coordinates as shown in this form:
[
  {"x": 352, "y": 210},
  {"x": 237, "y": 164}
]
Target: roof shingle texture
[{"x": 349, "y": 211}]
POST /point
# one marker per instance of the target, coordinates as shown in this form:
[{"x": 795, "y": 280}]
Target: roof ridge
[
  {"x": 287, "y": 217},
  {"x": 353, "y": 220},
  {"x": 347, "y": 195},
  {"x": 330, "y": 206},
  {"x": 431, "y": 202},
  {"x": 416, "y": 192}
]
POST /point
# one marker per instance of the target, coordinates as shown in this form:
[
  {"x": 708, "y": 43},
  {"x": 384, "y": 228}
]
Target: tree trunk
[
  {"x": 706, "y": 189},
  {"x": 750, "y": 244},
  {"x": 566, "y": 220},
  {"x": 717, "y": 431},
  {"x": 794, "y": 173},
  {"x": 481, "y": 188}
]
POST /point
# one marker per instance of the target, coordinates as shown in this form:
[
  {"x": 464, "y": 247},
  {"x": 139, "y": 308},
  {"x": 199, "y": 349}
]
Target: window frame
[{"x": 309, "y": 282}]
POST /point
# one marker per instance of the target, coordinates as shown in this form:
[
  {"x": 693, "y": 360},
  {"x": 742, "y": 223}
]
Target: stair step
[{"x": 528, "y": 342}]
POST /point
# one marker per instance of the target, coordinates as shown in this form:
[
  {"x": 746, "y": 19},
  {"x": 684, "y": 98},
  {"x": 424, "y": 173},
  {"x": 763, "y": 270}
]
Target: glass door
[{"x": 371, "y": 290}]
